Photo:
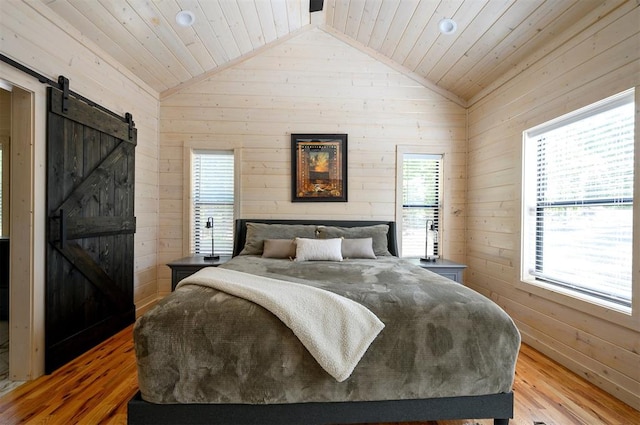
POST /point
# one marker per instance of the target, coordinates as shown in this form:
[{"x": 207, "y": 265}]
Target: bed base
[{"x": 496, "y": 406}]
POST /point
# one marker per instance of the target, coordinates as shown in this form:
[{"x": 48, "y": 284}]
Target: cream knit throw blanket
[{"x": 337, "y": 331}]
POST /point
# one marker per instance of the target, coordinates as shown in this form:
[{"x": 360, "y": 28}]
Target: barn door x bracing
[{"x": 91, "y": 226}]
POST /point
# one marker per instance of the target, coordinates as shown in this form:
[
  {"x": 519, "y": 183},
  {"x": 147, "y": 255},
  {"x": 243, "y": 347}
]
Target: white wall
[
  {"x": 596, "y": 58},
  {"x": 311, "y": 83}
]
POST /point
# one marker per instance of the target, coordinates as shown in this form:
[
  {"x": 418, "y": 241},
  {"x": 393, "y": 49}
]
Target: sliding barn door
[{"x": 91, "y": 226}]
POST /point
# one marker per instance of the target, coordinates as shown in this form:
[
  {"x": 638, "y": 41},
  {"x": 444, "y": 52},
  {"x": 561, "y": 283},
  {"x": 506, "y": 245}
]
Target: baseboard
[{"x": 146, "y": 305}]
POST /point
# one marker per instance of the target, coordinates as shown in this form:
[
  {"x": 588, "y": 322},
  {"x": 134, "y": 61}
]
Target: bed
[{"x": 205, "y": 356}]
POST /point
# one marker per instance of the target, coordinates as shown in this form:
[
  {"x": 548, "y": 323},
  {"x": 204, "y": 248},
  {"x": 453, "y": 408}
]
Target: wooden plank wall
[
  {"x": 5, "y": 142},
  {"x": 311, "y": 83},
  {"x": 35, "y": 37},
  {"x": 596, "y": 58}
]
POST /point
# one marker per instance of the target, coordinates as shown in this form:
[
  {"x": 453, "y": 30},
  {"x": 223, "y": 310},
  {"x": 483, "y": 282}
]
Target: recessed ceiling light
[
  {"x": 447, "y": 26},
  {"x": 185, "y": 18}
]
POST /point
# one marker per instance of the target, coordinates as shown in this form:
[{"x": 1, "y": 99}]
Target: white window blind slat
[{"x": 212, "y": 195}]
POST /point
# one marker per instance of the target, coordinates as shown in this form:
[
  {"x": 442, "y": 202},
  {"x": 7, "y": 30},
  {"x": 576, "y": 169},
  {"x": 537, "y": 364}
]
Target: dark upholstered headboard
[{"x": 240, "y": 231}]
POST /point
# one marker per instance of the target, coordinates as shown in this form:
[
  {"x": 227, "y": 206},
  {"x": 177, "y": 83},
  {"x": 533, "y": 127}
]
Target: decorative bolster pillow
[
  {"x": 318, "y": 249},
  {"x": 279, "y": 248},
  {"x": 358, "y": 248}
]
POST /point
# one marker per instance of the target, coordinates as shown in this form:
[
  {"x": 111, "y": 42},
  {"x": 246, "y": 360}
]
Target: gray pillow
[
  {"x": 358, "y": 248},
  {"x": 257, "y": 233},
  {"x": 377, "y": 232}
]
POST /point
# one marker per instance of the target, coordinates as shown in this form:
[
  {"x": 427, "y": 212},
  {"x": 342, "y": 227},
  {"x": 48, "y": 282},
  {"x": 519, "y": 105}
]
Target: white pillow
[
  {"x": 318, "y": 249},
  {"x": 358, "y": 248}
]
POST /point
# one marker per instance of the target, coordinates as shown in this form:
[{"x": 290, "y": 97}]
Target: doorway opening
[
  {"x": 5, "y": 204},
  {"x": 17, "y": 218}
]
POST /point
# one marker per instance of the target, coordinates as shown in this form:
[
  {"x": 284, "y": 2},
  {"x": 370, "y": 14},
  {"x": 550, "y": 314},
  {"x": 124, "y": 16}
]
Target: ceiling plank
[
  {"x": 294, "y": 12},
  {"x": 382, "y": 24},
  {"x": 404, "y": 13},
  {"x": 187, "y": 35},
  {"x": 267, "y": 24},
  {"x": 369, "y": 17},
  {"x": 163, "y": 27},
  {"x": 251, "y": 22},
  {"x": 429, "y": 36},
  {"x": 462, "y": 15},
  {"x": 504, "y": 24},
  {"x": 118, "y": 35},
  {"x": 237, "y": 26},
  {"x": 472, "y": 28},
  {"x": 588, "y": 25},
  {"x": 212, "y": 28},
  {"x": 137, "y": 31},
  {"x": 280, "y": 17},
  {"x": 342, "y": 12},
  {"x": 415, "y": 28},
  {"x": 97, "y": 36},
  {"x": 508, "y": 52},
  {"x": 352, "y": 24}
]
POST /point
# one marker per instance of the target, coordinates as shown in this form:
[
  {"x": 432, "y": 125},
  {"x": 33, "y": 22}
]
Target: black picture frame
[{"x": 318, "y": 167}]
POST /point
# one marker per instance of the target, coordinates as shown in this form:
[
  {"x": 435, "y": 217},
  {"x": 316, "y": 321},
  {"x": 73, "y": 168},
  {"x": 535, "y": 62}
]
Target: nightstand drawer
[
  {"x": 187, "y": 266},
  {"x": 446, "y": 268},
  {"x": 455, "y": 276}
]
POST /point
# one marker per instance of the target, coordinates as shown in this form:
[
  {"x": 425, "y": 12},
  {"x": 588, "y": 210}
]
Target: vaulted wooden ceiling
[{"x": 493, "y": 36}]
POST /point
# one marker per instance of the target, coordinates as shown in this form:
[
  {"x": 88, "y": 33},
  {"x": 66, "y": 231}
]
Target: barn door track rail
[{"x": 63, "y": 85}]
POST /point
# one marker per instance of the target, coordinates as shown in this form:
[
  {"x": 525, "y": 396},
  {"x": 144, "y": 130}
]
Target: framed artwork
[{"x": 319, "y": 168}]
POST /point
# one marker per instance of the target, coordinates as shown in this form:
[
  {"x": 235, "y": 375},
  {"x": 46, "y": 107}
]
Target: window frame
[
  {"x": 188, "y": 153},
  {"x": 609, "y": 311},
  {"x": 401, "y": 151}
]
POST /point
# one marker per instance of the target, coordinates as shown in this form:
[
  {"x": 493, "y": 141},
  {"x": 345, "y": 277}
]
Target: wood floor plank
[{"x": 95, "y": 388}]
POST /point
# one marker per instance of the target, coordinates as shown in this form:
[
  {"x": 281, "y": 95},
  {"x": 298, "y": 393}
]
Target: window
[
  {"x": 212, "y": 195},
  {"x": 578, "y": 203},
  {"x": 421, "y": 177}
]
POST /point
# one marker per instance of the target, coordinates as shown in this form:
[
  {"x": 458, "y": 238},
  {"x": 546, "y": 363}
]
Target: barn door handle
[{"x": 63, "y": 229}]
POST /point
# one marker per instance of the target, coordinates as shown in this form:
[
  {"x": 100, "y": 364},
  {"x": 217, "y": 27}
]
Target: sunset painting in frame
[{"x": 319, "y": 167}]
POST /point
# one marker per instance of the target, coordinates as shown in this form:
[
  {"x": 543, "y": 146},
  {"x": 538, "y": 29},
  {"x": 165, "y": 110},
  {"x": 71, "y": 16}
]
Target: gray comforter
[{"x": 441, "y": 339}]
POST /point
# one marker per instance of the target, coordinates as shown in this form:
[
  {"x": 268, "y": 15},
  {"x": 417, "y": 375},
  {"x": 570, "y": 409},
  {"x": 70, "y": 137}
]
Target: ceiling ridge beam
[
  {"x": 202, "y": 77},
  {"x": 393, "y": 64}
]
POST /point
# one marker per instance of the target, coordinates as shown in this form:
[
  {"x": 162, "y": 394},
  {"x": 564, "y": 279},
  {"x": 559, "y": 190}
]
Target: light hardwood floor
[{"x": 95, "y": 388}]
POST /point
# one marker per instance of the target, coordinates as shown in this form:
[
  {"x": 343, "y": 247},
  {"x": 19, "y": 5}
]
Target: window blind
[
  {"x": 421, "y": 189},
  {"x": 212, "y": 194},
  {"x": 584, "y": 201}
]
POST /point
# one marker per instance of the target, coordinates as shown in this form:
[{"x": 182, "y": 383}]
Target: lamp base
[
  {"x": 429, "y": 259},
  {"x": 212, "y": 257}
]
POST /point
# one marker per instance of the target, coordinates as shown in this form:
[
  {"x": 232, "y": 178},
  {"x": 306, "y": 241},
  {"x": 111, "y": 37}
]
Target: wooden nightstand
[
  {"x": 446, "y": 268},
  {"x": 189, "y": 265}
]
